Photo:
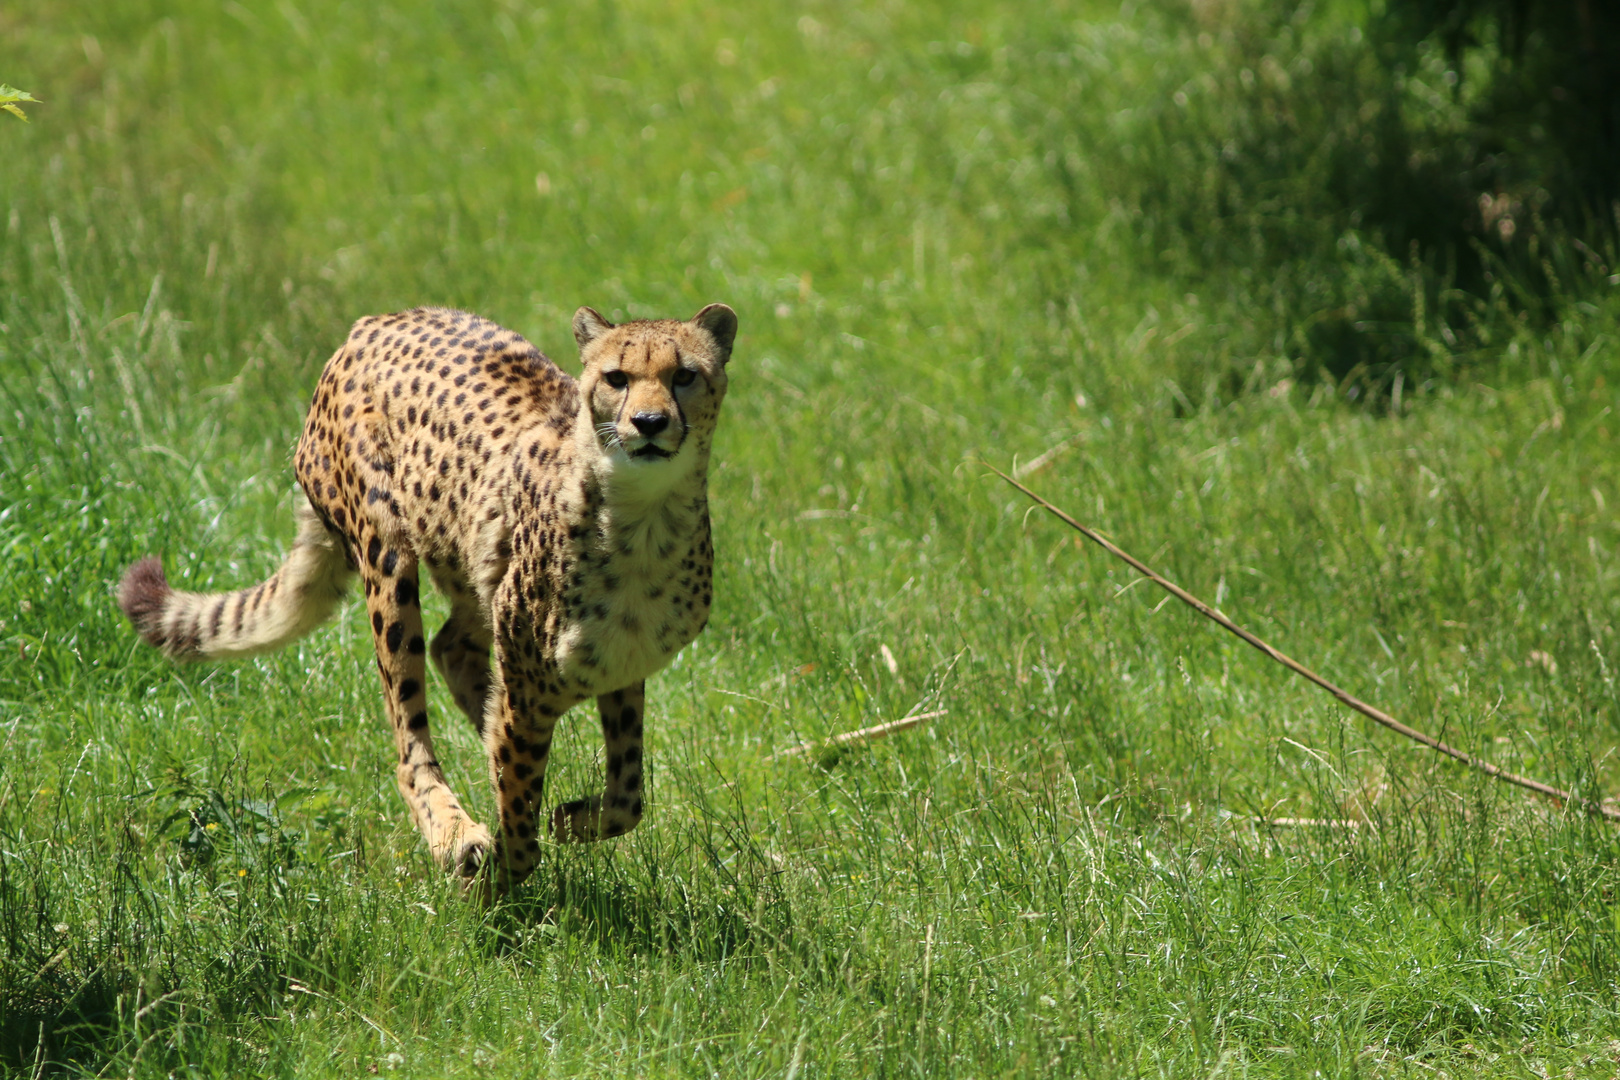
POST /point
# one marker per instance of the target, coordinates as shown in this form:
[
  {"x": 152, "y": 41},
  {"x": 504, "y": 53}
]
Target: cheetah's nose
[{"x": 650, "y": 423}]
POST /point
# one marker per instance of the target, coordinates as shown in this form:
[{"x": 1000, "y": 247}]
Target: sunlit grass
[{"x": 208, "y": 870}]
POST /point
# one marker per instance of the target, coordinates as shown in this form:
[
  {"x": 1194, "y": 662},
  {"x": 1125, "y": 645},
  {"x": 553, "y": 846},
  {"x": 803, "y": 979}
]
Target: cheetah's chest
[{"x": 629, "y": 617}]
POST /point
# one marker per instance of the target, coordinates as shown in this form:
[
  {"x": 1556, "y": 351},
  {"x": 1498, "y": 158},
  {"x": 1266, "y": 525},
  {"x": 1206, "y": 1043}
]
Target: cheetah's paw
[
  {"x": 576, "y": 822},
  {"x": 470, "y": 852}
]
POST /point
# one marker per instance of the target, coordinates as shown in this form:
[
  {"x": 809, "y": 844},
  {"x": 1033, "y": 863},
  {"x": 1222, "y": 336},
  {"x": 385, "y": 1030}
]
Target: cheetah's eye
[
  {"x": 616, "y": 379},
  {"x": 685, "y": 376}
]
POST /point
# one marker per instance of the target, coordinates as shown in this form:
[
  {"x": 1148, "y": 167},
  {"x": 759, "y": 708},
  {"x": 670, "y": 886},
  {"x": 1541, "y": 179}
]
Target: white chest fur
[{"x": 641, "y": 597}]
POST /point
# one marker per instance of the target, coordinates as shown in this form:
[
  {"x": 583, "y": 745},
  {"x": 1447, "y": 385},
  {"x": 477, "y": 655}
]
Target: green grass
[{"x": 207, "y": 870}]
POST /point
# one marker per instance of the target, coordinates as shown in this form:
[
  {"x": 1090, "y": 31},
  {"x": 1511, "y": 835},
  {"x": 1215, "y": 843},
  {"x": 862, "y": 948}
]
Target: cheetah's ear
[
  {"x": 721, "y": 323},
  {"x": 588, "y": 326}
]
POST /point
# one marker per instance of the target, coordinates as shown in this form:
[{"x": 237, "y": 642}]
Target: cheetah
[{"x": 566, "y": 521}]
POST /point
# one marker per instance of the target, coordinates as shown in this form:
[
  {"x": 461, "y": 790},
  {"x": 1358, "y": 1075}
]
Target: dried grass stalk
[
  {"x": 879, "y": 731},
  {"x": 1373, "y": 713}
]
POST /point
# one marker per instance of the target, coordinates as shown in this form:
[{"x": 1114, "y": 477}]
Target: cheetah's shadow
[{"x": 612, "y": 910}]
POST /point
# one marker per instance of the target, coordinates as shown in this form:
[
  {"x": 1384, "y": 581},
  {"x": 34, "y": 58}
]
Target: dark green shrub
[{"x": 1380, "y": 192}]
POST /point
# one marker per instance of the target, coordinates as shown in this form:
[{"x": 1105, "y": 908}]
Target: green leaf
[{"x": 10, "y": 95}]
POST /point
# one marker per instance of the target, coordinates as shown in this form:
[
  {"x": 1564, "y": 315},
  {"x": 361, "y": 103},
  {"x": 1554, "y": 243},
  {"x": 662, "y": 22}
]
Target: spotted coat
[{"x": 567, "y": 522}]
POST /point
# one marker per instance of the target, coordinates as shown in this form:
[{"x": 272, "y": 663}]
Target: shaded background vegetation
[{"x": 1395, "y": 183}]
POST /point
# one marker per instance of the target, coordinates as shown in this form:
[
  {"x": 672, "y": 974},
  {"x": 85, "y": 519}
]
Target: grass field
[{"x": 932, "y": 222}]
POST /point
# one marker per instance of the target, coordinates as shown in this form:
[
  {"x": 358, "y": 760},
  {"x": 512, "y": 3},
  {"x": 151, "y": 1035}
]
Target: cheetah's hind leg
[
  {"x": 459, "y": 844},
  {"x": 460, "y": 651}
]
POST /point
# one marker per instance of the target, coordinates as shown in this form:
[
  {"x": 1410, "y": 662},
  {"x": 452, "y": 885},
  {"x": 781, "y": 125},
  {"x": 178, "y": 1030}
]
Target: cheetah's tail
[{"x": 294, "y": 600}]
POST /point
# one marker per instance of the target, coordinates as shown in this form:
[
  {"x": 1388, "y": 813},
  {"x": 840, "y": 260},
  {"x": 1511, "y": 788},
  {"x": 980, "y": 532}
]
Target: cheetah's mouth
[{"x": 651, "y": 453}]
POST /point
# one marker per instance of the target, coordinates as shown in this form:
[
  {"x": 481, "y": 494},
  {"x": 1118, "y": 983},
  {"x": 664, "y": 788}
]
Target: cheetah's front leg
[
  {"x": 618, "y": 809},
  {"x": 524, "y": 704}
]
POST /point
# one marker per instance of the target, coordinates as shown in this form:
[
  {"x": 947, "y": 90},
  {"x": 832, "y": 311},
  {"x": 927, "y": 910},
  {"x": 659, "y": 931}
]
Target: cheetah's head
[{"x": 653, "y": 387}]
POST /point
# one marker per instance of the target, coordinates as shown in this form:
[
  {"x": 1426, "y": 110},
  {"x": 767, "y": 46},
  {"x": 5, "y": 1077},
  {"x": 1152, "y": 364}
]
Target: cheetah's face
[{"x": 652, "y": 385}]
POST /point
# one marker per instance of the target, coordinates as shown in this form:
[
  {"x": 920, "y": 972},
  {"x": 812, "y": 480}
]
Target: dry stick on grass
[
  {"x": 878, "y": 732},
  {"x": 1370, "y": 712}
]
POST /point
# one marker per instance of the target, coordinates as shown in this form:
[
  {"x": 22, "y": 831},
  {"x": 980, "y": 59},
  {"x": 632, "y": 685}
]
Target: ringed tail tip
[{"x": 142, "y": 595}]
